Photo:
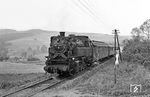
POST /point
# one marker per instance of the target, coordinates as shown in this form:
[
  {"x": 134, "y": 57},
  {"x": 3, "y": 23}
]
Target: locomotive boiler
[{"x": 71, "y": 54}]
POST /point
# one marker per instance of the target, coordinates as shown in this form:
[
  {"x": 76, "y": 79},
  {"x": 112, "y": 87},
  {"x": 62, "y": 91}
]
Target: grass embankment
[{"x": 102, "y": 82}]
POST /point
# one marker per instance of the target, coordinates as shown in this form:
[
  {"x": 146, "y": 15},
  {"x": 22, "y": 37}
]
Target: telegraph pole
[
  {"x": 116, "y": 43},
  {"x": 116, "y": 47},
  {"x": 115, "y": 32}
]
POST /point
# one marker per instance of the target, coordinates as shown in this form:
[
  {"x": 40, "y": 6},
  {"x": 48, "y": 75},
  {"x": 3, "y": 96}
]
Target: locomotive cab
[{"x": 83, "y": 47}]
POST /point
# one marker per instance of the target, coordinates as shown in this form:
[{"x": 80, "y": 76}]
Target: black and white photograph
[{"x": 74, "y": 48}]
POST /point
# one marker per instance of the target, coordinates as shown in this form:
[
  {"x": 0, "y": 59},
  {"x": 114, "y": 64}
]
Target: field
[
  {"x": 15, "y": 74},
  {"x": 19, "y": 68}
]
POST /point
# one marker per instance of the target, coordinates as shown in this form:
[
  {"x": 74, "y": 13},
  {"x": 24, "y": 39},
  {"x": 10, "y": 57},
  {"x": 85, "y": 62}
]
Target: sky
[{"x": 92, "y": 16}]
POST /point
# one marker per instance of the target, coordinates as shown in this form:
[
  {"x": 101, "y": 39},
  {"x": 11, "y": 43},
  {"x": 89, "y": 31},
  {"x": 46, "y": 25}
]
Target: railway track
[
  {"x": 29, "y": 92},
  {"x": 44, "y": 83},
  {"x": 28, "y": 85}
]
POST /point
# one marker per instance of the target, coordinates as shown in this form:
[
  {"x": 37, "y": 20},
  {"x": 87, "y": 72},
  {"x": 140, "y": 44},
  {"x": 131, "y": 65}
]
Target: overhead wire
[
  {"x": 83, "y": 9},
  {"x": 87, "y": 8},
  {"x": 92, "y": 12}
]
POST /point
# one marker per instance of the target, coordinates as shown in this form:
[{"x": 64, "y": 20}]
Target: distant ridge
[{"x": 10, "y": 34}]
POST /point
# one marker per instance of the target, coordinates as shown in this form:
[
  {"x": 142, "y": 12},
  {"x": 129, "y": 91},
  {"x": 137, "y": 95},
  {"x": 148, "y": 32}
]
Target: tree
[
  {"x": 34, "y": 52},
  {"x": 137, "y": 34},
  {"x": 29, "y": 52},
  {"x": 29, "y": 49},
  {"x": 38, "y": 49},
  {"x": 3, "y": 51},
  {"x": 24, "y": 54},
  {"x": 43, "y": 49},
  {"x": 145, "y": 27},
  {"x": 136, "y": 50}
]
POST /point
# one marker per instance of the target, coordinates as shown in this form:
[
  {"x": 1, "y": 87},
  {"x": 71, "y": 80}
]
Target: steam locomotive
[{"x": 71, "y": 54}]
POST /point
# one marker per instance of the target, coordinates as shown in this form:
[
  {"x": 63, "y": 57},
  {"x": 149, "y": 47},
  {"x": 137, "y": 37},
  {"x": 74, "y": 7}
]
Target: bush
[
  {"x": 4, "y": 85},
  {"x": 136, "y": 51},
  {"x": 3, "y": 58},
  {"x": 33, "y": 59}
]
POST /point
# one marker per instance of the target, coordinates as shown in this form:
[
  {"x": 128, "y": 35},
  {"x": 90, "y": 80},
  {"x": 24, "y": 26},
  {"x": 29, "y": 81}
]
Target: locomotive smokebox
[{"x": 62, "y": 34}]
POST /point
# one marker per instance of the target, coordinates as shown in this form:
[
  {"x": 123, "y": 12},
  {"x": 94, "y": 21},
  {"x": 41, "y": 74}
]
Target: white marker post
[
  {"x": 117, "y": 58},
  {"x": 116, "y": 65}
]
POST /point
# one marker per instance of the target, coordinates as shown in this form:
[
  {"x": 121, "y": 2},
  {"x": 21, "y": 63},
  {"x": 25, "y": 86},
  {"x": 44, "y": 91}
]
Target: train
[{"x": 73, "y": 53}]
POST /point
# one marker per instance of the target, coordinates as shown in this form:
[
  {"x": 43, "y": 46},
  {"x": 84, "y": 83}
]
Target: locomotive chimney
[{"x": 62, "y": 34}]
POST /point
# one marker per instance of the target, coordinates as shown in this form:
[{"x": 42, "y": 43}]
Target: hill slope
[{"x": 20, "y": 41}]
